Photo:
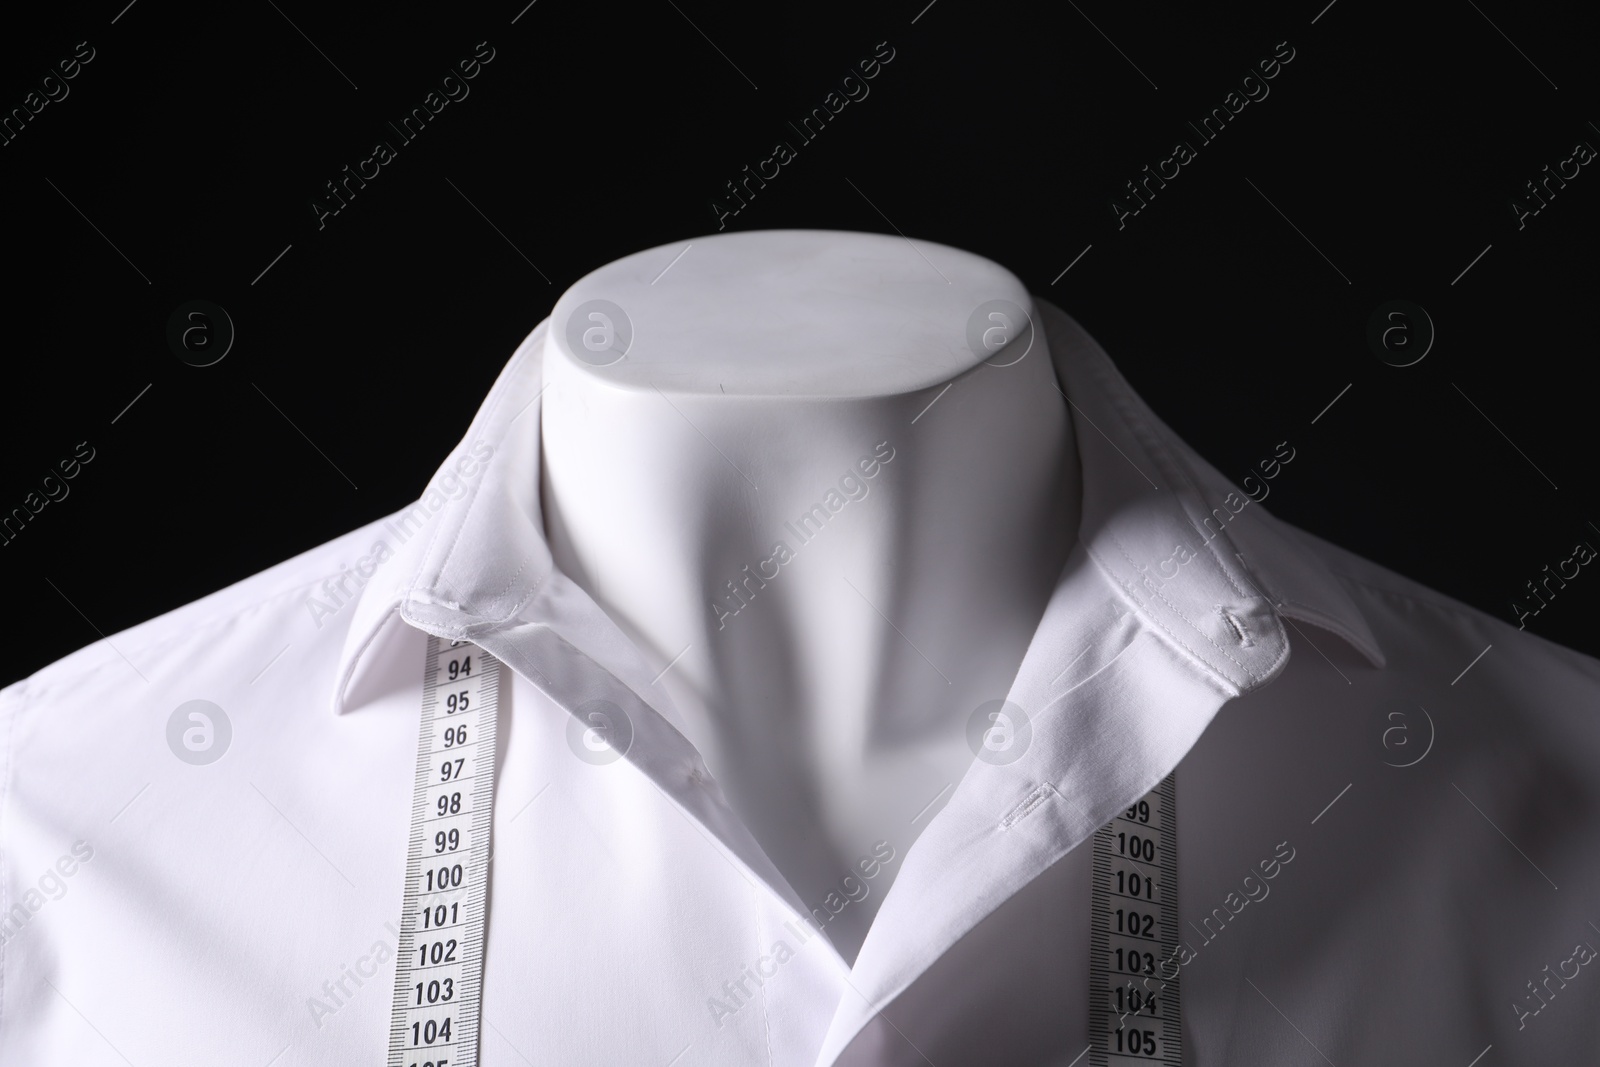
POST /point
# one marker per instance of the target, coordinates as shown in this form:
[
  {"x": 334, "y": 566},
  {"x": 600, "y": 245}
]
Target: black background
[{"x": 196, "y": 139}]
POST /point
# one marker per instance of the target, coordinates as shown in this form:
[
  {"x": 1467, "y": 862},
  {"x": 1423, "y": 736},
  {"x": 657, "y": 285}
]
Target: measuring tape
[
  {"x": 438, "y": 981},
  {"x": 1133, "y": 944}
]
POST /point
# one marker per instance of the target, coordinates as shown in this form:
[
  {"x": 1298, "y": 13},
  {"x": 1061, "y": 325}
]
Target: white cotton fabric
[{"x": 1430, "y": 834}]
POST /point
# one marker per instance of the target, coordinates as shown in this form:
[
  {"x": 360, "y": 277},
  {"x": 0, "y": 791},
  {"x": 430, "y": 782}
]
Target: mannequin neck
[{"x": 840, "y": 535}]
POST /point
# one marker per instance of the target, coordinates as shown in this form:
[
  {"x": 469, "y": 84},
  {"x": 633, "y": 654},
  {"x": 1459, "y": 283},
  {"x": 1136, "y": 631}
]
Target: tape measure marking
[
  {"x": 1133, "y": 942},
  {"x": 438, "y": 980}
]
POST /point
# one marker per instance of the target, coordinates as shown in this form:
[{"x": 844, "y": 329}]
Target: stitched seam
[
  {"x": 1210, "y": 543},
  {"x": 1117, "y": 395},
  {"x": 766, "y": 1022},
  {"x": 1170, "y": 462},
  {"x": 495, "y": 402},
  {"x": 1235, "y": 585},
  {"x": 1158, "y": 624},
  {"x": 1163, "y": 597},
  {"x": 511, "y": 581},
  {"x": 1140, "y": 425},
  {"x": 526, "y": 599},
  {"x": 433, "y": 538},
  {"x": 1263, "y": 587},
  {"x": 1282, "y": 656},
  {"x": 1222, "y": 564}
]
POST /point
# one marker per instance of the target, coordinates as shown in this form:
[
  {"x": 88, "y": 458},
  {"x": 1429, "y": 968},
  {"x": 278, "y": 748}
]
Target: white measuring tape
[
  {"x": 438, "y": 982},
  {"x": 1133, "y": 943}
]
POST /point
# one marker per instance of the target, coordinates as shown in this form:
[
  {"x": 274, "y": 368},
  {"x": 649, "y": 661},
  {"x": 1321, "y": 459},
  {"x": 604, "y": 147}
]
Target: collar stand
[{"x": 1208, "y": 568}]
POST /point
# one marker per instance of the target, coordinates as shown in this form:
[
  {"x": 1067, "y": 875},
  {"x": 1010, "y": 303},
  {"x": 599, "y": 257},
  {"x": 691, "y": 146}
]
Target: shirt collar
[
  {"x": 1193, "y": 555},
  {"x": 1184, "y": 605}
]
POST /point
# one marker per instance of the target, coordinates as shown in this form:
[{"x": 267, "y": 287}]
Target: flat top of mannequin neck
[
  {"x": 782, "y": 525},
  {"x": 783, "y": 313}
]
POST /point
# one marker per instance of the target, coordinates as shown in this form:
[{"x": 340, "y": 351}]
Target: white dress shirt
[{"x": 1389, "y": 841}]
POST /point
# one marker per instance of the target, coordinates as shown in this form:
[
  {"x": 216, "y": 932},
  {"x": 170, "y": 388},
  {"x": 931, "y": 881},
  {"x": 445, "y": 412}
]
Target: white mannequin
[{"x": 764, "y": 370}]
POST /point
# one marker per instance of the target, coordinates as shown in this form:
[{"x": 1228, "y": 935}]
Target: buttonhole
[
  {"x": 1236, "y": 624},
  {"x": 1033, "y": 800}
]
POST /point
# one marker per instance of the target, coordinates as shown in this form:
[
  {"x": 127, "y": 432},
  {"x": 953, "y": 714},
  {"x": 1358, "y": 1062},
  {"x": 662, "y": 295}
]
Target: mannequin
[{"x": 788, "y": 464}]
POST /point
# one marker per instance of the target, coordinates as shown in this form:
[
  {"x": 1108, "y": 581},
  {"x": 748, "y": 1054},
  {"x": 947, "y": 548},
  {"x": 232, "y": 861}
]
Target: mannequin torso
[{"x": 800, "y": 467}]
